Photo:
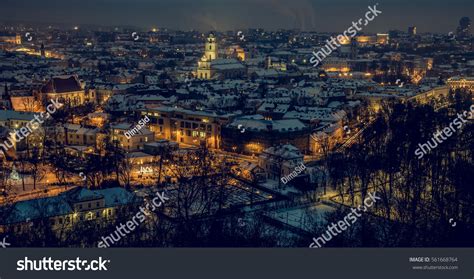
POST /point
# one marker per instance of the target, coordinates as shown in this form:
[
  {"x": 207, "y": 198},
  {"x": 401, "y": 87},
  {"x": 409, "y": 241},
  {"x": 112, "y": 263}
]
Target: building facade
[
  {"x": 253, "y": 136},
  {"x": 68, "y": 89},
  {"x": 461, "y": 82},
  {"x": 280, "y": 161},
  {"x": 10, "y": 39},
  {"x": 134, "y": 142},
  {"x": 64, "y": 211},
  {"x": 187, "y": 126},
  {"x": 210, "y": 66}
]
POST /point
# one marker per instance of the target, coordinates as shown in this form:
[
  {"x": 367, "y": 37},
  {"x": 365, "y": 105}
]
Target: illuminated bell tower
[
  {"x": 204, "y": 70},
  {"x": 211, "y": 48}
]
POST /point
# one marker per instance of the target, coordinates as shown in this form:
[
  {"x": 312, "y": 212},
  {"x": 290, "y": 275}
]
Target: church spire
[
  {"x": 6, "y": 96},
  {"x": 43, "y": 53},
  {"x": 6, "y": 102}
]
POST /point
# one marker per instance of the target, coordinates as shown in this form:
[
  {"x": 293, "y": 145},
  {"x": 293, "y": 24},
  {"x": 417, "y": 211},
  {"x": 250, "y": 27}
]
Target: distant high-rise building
[
  {"x": 464, "y": 28},
  {"x": 412, "y": 30}
]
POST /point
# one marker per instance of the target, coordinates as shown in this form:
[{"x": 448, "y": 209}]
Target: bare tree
[
  {"x": 125, "y": 171},
  {"x": 38, "y": 171}
]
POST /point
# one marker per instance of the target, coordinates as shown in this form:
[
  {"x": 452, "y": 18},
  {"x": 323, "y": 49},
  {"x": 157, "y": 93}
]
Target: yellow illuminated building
[
  {"x": 186, "y": 126},
  {"x": 204, "y": 70},
  {"x": 461, "y": 82},
  {"x": 11, "y": 39},
  {"x": 236, "y": 52},
  {"x": 379, "y": 39},
  {"x": 211, "y": 48},
  {"x": 35, "y": 52},
  {"x": 332, "y": 64},
  {"x": 211, "y": 67},
  {"x": 344, "y": 41},
  {"x": 382, "y": 39},
  {"x": 364, "y": 40}
]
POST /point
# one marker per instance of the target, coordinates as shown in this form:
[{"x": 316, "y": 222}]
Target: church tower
[
  {"x": 43, "y": 53},
  {"x": 353, "y": 48},
  {"x": 211, "y": 48},
  {"x": 6, "y": 101},
  {"x": 204, "y": 70}
]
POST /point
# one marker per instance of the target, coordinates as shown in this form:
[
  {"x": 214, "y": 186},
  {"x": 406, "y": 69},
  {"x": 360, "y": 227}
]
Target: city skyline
[
  {"x": 190, "y": 125},
  {"x": 306, "y": 15}
]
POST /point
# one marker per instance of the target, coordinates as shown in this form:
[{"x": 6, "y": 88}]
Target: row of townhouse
[
  {"x": 64, "y": 211},
  {"x": 243, "y": 134},
  {"x": 77, "y": 135},
  {"x": 67, "y": 134},
  {"x": 249, "y": 134}
]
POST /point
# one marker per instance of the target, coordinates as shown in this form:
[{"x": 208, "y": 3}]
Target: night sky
[{"x": 308, "y": 15}]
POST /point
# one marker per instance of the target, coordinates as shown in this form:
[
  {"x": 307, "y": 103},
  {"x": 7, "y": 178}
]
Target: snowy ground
[
  {"x": 304, "y": 217},
  {"x": 284, "y": 189}
]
